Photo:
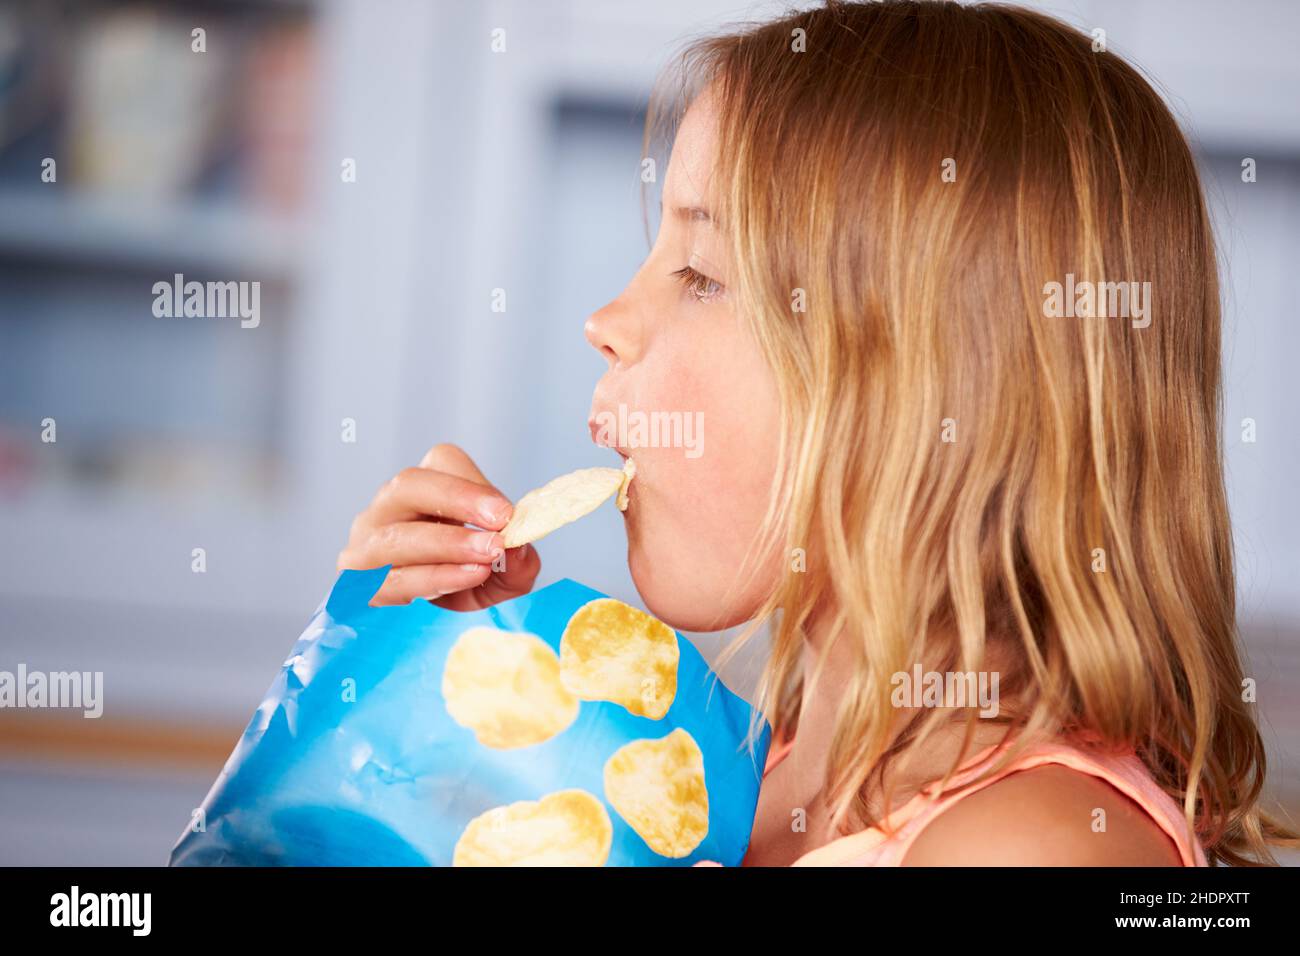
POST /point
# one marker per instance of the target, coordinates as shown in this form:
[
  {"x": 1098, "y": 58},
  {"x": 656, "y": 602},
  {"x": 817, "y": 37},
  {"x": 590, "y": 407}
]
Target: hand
[{"x": 417, "y": 523}]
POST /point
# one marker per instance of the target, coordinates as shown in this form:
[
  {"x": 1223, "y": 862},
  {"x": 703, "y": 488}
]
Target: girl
[{"x": 940, "y": 282}]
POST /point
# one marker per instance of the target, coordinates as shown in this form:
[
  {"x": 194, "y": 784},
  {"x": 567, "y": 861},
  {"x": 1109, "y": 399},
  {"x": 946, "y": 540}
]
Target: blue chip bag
[{"x": 355, "y": 759}]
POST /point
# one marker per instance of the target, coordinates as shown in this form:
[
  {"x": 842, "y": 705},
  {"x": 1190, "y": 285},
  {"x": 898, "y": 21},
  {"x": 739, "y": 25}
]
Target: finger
[
  {"x": 521, "y": 571},
  {"x": 453, "y": 460},
  {"x": 424, "y": 542},
  {"x": 418, "y": 492},
  {"x": 403, "y": 585},
  {"x": 516, "y": 571}
]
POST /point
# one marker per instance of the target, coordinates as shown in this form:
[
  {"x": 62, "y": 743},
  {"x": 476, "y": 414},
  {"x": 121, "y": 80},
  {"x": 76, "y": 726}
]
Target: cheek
[{"x": 692, "y": 528}]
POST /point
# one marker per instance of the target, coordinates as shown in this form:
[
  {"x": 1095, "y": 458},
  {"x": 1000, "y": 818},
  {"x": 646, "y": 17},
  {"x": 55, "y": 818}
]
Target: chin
[{"x": 678, "y": 595}]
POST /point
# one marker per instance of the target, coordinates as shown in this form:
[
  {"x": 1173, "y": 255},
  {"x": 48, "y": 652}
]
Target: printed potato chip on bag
[
  {"x": 506, "y": 688},
  {"x": 658, "y": 787},
  {"x": 611, "y": 651},
  {"x": 569, "y": 828},
  {"x": 560, "y": 728}
]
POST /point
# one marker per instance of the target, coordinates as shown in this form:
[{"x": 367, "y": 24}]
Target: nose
[{"x": 615, "y": 331}]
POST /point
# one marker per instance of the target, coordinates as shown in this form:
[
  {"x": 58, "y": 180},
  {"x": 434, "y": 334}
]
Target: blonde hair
[{"x": 924, "y": 309}]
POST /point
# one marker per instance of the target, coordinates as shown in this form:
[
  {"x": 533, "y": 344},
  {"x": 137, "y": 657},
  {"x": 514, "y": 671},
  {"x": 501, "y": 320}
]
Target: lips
[{"x": 599, "y": 438}]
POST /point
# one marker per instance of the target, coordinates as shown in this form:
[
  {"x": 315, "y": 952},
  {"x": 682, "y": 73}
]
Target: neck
[{"x": 819, "y": 711}]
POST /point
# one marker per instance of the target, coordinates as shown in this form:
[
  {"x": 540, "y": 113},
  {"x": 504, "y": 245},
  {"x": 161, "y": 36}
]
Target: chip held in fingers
[
  {"x": 565, "y": 499},
  {"x": 612, "y": 651},
  {"x": 657, "y": 786},
  {"x": 566, "y": 828},
  {"x": 505, "y": 686}
]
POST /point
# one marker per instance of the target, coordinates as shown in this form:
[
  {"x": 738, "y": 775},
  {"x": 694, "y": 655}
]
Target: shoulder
[{"x": 1045, "y": 816}]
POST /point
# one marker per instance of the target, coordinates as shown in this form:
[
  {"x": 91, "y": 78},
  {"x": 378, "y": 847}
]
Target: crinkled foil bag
[{"x": 356, "y": 757}]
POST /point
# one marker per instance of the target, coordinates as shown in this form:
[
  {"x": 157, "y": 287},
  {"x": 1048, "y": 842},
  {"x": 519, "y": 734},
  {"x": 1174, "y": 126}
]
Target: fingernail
[
  {"x": 494, "y": 509},
  {"x": 485, "y": 541},
  {"x": 472, "y": 567}
]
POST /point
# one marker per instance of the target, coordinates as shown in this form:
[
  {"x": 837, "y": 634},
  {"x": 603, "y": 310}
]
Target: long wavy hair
[{"x": 900, "y": 182}]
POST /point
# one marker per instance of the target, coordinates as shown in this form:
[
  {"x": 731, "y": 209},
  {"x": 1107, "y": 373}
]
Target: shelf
[{"x": 148, "y": 236}]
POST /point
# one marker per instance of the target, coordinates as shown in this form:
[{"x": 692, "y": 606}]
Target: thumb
[{"x": 519, "y": 569}]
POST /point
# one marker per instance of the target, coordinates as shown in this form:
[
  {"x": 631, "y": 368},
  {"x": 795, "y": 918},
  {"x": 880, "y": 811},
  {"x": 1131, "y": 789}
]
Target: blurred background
[{"x": 474, "y": 171}]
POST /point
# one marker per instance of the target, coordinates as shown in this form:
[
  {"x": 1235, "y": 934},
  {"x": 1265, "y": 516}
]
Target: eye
[{"x": 699, "y": 285}]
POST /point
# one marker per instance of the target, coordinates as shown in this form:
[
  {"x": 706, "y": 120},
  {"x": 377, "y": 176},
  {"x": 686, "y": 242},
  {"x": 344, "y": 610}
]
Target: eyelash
[{"x": 699, "y": 285}]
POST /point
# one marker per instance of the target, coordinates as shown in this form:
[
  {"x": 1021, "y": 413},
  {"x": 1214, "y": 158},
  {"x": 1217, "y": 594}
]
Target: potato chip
[
  {"x": 565, "y": 828},
  {"x": 559, "y": 502},
  {"x": 611, "y": 651},
  {"x": 629, "y": 472},
  {"x": 657, "y": 786},
  {"x": 505, "y": 686}
]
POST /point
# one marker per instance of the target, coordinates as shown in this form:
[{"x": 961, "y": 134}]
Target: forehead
[{"x": 690, "y": 168}]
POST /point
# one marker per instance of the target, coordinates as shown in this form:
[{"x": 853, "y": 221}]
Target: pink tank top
[{"x": 1125, "y": 772}]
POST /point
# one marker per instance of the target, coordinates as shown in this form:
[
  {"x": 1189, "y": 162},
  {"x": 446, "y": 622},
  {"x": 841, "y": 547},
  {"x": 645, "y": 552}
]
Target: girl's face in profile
[{"x": 678, "y": 350}]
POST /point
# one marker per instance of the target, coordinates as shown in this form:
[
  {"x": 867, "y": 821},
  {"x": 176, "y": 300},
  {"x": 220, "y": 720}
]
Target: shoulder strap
[{"x": 1124, "y": 772}]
